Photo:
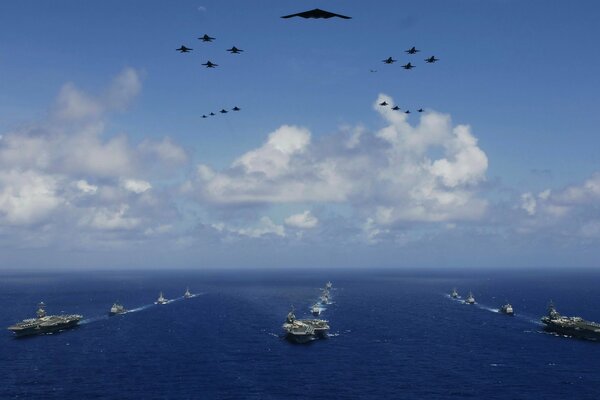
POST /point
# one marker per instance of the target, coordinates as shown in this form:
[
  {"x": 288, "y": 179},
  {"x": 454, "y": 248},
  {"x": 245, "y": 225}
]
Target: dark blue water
[{"x": 394, "y": 335}]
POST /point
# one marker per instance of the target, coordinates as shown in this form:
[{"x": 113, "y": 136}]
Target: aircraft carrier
[
  {"x": 571, "y": 326},
  {"x": 304, "y": 330},
  {"x": 44, "y": 323}
]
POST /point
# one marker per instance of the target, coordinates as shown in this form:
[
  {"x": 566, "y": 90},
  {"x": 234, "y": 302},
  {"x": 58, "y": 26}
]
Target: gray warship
[
  {"x": 117, "y": 309},
  {"x": 470, "y": 299},
  {"x": 454, "y": 294},
  {"x": 316, "y": 309},
  {"x": 507, "y": 309},
  {"x": 44, "y": 323},
  {"x": 328, "y": 285},
  {"x": 571, "y": 326},
  {"x": 188, "y": 294},
  {"x": 161, "y": 299},
  {"x": 304, "y": 330}
]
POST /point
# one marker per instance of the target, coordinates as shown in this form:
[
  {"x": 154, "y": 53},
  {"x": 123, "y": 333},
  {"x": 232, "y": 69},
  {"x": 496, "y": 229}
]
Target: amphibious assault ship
[
  {"x": 570, "y": 326},
  {"x": 44, "y": 323},
  {"x": 304, "y": 330}
]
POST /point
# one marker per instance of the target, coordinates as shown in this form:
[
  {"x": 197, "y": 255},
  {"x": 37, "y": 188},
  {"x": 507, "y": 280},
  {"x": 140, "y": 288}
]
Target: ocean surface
[{"x": 394, "y": 335}]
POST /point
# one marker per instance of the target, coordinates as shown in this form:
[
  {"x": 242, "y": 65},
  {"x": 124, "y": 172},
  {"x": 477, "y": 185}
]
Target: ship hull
[
  {"x": 576, "y": 332},
  {"x": 40, "y": 330}
]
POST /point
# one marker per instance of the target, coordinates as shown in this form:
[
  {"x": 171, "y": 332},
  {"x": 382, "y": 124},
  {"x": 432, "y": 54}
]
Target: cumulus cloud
[
  {"x": 304, "y": 220},
  {"x": 390, "y": 175},
  {"x": 136, "y": 185}
]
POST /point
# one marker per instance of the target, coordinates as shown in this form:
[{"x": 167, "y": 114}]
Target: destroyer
[
  {"x": 44, "y": 323},
  {"x": 454, "y": 294},
  {"x": 328, "y": 285},
  {"x": 571, "y": 326},
  {"x": 188, "y": 294},
  {"x": 507, "y": 309},
  {"x": 161, "y": 299},
  {"x": 304, "y": 330},
  {"x": 316, "y": 310},
  {"x": 117, "y": 309},
  {"x": 470, "y": 299}
]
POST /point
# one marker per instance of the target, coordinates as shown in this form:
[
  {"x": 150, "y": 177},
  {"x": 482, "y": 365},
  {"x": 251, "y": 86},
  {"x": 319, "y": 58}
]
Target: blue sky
[{"x": 105, "y": 160}]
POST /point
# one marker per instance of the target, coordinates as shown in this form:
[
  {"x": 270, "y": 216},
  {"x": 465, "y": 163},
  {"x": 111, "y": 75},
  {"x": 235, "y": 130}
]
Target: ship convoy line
[
  {"x": 307, "y": 330},
  {"x": 44, "y": 323},
  {"x": 553, "y": 322}
]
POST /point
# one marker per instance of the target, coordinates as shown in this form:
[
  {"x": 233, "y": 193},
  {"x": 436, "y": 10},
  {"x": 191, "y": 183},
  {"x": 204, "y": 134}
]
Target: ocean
[{"x": 394, "y": 335}]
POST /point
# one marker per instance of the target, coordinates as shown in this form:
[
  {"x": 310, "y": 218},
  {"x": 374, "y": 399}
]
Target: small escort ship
[
  {"x": 44, "y": 323},
  {"x": 454, "y": 294},
  {"x": 507, "y": 309},
  {"x": 571, "y": 326},
  {"x": 188, "y": 294},
  {"x": 316, "y": 309},
  {"x": 328, "y": 285},
  {"x": 470, "y": 299},
  {"x": 116, "y": 309},
  {"x": 161, "y": 299},
  {"x": 304, "y": 330}
]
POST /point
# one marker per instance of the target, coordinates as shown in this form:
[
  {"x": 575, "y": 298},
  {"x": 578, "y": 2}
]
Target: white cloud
[
  {"x": 107, "y": 219},
  {"x": 265, "y": 227},
  {"x": 135, "y": 186},
  {"x": 27, "y": 197},
  {"x": 304, "y": 220},
  {"x": 86, "y": 187},
  {"x": 528, "y": 203}
]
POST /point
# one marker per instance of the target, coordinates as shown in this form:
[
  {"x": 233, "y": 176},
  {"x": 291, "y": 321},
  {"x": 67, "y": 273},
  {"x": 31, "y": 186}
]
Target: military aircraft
[
  {"x": 204, "y": 116},
  {"x": 389, "y": 60},
  {"x": 372, "y": 70},
  {"x": 431, "y": 60},
  {"x": 235, "y": 50},
  {"x": 223, "y": 111},
  {"x": 236, "y": 108},
  {"x": 211, "y": 114},
  {"x": 420, "y": 110},
  {"x": 209, "y": 64},
  {"x": 395, "y": 108},
  {"x": 407, "y": 112},
  {"x": 206, "y": 38},
  {"x": 408, "y": 66},
  {"x": 316, "y": 13},
  {"x": 383, "y": 103},
  {"x": 184, "y": 49},
  {"x": 412, "y": 50}
]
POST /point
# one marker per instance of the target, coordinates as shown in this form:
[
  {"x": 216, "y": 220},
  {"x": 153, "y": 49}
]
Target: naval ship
[
  {"x": 44, "y": 323},
  {"x": 571, "y": 326},
  {"x": 454, "y": 294},
  {"x": 304, "y": 330},
  {"x": 116, "y": 309},
  {"x": 328, "y": 285},
  {"x": 470, "y": 299},
  {"x": 161, "y": 299},
  {"x": 316, "y": 309},
  {"x": 188, "y": 294},
  {"x": 507, "y": 309}
]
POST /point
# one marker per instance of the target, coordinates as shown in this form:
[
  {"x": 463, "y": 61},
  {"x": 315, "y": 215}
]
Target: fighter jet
[
  {"x": 389, "y": 60},
  {"x": 383, "y": 103},
  {"x": 209, "y": 64},
  {"x": 206, "y": 38},
  {"x": 407, "y": 112},
  {"x": 420, "y": 110},
  {"x": 431, "y": 60},
  {"x": 236, "y": 108},
  {"x": 204, "y": 116},
  {"x": 316, "y": 13},
  {"x": 412, "y": 50},
  {"x": 212, "y": 114},
  {"x": 395, "y": 108},
  {"x": 408, "y": 66},
  {"x": 184, "y": 49},
  {"x": 372, "y": 70},
  {"x": 235, "y": 50},
  {"x": 223, "y": 111}
]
